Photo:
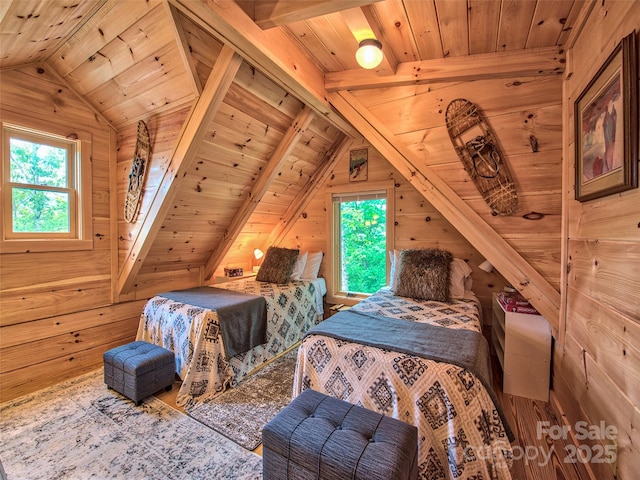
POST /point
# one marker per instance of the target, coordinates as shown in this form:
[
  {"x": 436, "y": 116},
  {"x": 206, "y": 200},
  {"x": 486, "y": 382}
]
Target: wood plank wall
[
  {"x": 597, "y": 367},
  {"x": 164, "y": 130},
  {"x": 518, "y": 109},
  {"x": 418, "y": 223},
  {"x": 56, "y": 311},
  {"x": 58, "y": 314}
]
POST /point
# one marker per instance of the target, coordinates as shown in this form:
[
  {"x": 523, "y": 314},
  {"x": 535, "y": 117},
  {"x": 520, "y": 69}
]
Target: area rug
[
  {"x": 79, "y": 430},
  {"x": 242, "y": 412}
]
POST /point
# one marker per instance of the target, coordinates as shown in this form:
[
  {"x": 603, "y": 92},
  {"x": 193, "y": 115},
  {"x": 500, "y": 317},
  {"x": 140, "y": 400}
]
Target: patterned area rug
[
  {"x": 242, "y": 412},
  {"x": 79, "y": 430}
]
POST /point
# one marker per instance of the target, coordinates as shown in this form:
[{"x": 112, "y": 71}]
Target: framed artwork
[
  {"x": 358, "y": 165},
  {"x": 606, "y": 126}
]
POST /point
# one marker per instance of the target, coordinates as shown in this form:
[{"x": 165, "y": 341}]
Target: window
[
  {"x": 42, "y": 191},
  {"x": 360, "y": 238}
]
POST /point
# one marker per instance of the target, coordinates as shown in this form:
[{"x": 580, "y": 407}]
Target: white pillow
[
  {"x": 312, "y": 266},
  {"x": 394, "y": 255},
  {"x": 299, "y": 266},
  {"x": 460, "y": 275}
]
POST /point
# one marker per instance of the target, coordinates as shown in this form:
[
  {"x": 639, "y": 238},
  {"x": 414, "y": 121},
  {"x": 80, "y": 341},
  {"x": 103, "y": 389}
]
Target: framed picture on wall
[
  {"x": 358, "y": 165},
  {"x": 606, "y": 126}
]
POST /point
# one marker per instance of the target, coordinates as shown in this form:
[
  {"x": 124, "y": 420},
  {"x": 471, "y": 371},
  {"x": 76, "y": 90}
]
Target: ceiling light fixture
[{"x": 369, "y": 54}]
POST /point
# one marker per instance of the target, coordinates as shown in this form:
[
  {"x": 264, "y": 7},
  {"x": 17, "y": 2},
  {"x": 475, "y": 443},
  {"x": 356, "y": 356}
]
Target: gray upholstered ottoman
[
  {"x": 139, "y": 369},
  {"x": 320, "y": 437}
]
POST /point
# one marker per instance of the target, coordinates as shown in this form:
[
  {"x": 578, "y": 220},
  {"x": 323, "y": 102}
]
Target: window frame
[
  {"x": 334, "y": 294},
  {"x": 78, "y": 188}
]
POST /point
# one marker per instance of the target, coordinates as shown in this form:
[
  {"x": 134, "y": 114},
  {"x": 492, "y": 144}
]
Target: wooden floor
[
  {"x": 534, "y": 458},
  {"x": 540, "y": 457}
]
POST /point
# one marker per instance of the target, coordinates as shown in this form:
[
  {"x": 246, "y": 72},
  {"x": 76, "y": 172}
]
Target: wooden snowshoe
[
  {"x": 478, "y": 149},
  {"x": 137, "y": 174}
]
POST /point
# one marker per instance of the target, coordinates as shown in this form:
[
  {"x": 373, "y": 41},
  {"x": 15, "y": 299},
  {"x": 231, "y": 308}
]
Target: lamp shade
[
  {"x": 486, "y": 266},
  {"x": 258, "y": 253},
  {"x": 369, "y": 55}
]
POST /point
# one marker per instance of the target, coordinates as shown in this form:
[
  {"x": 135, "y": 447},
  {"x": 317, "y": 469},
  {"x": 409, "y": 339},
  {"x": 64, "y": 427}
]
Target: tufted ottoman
[
  {"x": 320, "y": 437},
  {"x": 139, "y": 369}
]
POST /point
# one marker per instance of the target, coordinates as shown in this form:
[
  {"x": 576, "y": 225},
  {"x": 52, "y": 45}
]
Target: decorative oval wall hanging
[
  {"x": 141, "y": 157},
  {"x": 477, "y": 146}
]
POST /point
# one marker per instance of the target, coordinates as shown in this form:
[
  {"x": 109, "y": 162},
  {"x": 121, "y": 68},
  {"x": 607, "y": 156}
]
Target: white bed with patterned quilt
[
  {"x": 462, "y": 433},
  {"x": 194, "y": 334}
]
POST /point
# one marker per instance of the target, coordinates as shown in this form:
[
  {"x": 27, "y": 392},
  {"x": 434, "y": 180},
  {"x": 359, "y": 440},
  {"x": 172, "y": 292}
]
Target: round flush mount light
[{"x": 369, "y": 55}]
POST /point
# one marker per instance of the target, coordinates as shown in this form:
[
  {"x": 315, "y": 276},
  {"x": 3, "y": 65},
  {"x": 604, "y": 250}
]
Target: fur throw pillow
[
  {"x": 278, "y": 265},
  {"x": 424, "y": 274}
]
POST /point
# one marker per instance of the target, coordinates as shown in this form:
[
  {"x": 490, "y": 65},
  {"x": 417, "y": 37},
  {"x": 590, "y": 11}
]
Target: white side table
[{"x": 523, "y": 345}]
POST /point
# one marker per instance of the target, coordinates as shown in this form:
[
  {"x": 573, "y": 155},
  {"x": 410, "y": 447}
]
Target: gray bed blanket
[
  {"x": 464, "y": 348},
  {"x": 242, "y": 316}
]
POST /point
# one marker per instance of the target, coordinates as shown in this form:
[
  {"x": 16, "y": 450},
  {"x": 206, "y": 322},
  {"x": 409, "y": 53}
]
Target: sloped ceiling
[{"x": 245, "y": 88}]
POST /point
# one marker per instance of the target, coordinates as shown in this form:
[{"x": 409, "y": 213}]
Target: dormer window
[{"x": 46, "y": 203}]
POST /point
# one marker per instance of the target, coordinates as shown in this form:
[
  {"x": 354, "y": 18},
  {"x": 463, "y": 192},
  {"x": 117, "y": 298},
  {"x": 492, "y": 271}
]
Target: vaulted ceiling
[
  {"x": 130, "y": 59},
  {"x": 249, "y": 102}
]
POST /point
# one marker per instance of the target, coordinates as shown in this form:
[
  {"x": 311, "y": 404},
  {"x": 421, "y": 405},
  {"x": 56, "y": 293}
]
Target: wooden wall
[
  {"x": 164, "y": 130},
  {"x": 597, "y": 363},
  {"x": 56, "y": 311},
  {"x": 517, "y": 108},
  {"x": 59, "y": 311},
  {"x": 417, "y": 223}
]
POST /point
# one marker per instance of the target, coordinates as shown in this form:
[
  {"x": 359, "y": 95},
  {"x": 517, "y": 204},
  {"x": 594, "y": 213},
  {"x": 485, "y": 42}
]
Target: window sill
[{"x": 45, "y": 245}]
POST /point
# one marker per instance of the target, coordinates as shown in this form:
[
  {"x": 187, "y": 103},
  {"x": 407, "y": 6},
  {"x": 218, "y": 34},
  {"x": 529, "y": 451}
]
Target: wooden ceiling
[
  {"x": 112, "y": 49},
  {"x": 248, "y": 85}
]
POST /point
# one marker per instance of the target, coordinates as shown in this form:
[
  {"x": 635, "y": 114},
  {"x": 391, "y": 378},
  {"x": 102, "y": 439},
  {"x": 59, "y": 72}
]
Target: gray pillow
[
  {"x": 277, "y": 265},
  {"x": 424, "y": 274}
]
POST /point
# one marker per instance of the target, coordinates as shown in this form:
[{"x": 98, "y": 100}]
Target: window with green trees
[
  {"x": 360, "y": 231},
  {"x": 40, "y": 174}
]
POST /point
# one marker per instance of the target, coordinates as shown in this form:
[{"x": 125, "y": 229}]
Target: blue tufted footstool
[
  {"x": 139, "y": 369},
  {"x": 321, "y": 437}
]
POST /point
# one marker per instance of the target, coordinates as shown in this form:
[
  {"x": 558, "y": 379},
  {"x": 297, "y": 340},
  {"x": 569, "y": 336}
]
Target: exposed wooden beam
[
  {"x": 273, "y": 13},
  {"x": 4, "y": 8},
  {"x": 270, "y": 51},
  {"x": 426, "y": 181},
  {"x": 218, "y": 83},
  {"x": 534, "y": 62},
  {"x": 336, "y": 152},
  {"x": 578, "y": 18},
  {"x": 183, "y": 48},
  {"x": 282, "y": 151}
]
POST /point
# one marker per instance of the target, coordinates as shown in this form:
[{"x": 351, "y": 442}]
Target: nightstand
[
  {"x": 522, "y": 342},
  {"x": 331, "y": 308},
  {"x": 222, "y": 279}
]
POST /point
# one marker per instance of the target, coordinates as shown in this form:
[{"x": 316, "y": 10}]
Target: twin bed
[
  {"x": 435, "y": 378},
  {"x": 193, "y": 330},
  {"x": 413, "y": 350}
]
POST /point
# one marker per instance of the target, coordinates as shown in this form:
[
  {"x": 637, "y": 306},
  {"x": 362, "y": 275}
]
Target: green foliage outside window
[
  {"x": 363, "y": 245},
  {"x": 39, "y": 209}
]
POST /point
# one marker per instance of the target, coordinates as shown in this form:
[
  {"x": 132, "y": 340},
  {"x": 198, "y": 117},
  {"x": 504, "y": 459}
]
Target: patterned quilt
[
  {"x": 460, "y": 433},
  {"x": 462, "y": 313},
  {"x": 193, "y": 334}
]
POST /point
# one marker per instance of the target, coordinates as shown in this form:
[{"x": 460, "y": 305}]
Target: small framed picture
[
  {"x": 606, "y": 127},
  {"x": 358, "y": 165}
]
